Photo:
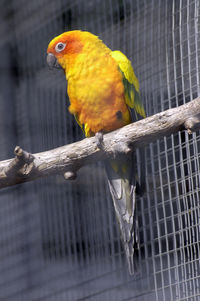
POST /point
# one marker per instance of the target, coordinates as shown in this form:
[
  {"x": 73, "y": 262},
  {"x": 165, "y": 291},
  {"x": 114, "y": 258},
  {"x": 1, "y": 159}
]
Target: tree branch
[{"x": 69, "y": 158}]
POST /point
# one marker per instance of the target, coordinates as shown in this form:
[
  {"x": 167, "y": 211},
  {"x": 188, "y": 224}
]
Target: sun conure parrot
[{"x": 102, "y": 88}]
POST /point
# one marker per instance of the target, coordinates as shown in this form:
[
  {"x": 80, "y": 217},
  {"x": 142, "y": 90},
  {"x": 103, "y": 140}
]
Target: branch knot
[
  {"x": 21, "y": 165},
  {"x": 192, "y": 123}
]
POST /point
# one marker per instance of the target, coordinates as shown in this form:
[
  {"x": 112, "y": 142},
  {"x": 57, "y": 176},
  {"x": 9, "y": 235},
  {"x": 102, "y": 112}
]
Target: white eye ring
[{"x": 60, "y": 47}]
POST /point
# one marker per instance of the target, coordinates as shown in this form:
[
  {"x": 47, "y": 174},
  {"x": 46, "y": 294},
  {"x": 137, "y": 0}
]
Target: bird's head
[{"x": 67, "y": 46}]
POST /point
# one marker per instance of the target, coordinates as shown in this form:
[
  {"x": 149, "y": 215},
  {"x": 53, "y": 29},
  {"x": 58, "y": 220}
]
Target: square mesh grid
[{"x": 60, "y": 241}]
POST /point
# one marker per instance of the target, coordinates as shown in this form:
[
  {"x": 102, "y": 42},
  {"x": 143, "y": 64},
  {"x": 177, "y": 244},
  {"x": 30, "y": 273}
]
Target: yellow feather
[
  {"x": 130, "y": 81},
  {"x": 87, "y": 130},
  {"x": 126, "y": 67}
]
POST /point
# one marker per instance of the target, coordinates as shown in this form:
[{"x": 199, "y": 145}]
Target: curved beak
[{"x": 52, "y": 61}]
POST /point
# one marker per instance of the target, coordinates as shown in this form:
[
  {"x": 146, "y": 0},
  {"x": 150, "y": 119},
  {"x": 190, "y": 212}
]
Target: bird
[{"x": 102, "y": 89}]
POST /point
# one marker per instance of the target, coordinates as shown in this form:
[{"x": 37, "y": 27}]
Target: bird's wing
[
  {"x": 121, "y": 171},
  {"x": 130, "y": 81}
]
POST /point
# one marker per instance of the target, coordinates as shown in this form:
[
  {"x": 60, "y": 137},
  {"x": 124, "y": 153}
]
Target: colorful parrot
[{"x": 102, "y": 88}]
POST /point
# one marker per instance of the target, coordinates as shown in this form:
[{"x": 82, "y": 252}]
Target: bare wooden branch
[
  {"x": 21, "y": 164},
  {"x": 68, "y": 159}
]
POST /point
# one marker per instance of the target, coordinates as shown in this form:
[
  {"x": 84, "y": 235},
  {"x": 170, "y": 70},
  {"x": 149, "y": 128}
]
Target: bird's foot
[{"x": 99, "y": 140}]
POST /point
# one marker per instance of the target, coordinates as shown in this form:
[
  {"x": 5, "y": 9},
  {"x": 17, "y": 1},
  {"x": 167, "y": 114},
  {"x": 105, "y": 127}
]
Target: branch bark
[{"x": 68, "y": 159}]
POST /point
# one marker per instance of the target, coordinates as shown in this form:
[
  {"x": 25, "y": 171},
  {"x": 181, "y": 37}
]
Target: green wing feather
[
  {"x": 84, "y": 127},
  {"x": 77, "y": 120},
  {"x": 130, "y": 81}
]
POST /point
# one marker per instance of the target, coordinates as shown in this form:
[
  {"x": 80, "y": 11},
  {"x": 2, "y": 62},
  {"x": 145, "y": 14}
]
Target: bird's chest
[
  {"x": 96, "y": 94},
  {"x": 92, "y": 79},
  {"x": 91, "y": 91}
]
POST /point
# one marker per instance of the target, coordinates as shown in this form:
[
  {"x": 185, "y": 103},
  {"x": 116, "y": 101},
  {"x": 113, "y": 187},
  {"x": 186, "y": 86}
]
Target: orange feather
[{"x": 95, "y": 83}]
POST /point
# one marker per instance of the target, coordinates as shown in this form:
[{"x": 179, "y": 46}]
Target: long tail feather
[{"x": 122, "y": 184}]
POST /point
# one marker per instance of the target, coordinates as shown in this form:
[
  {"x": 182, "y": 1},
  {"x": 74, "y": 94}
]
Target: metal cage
[{"x": 59, "y": 240}]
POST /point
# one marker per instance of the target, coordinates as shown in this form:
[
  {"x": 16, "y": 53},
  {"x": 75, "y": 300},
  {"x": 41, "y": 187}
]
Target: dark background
[{"x": 59, "y": 240}]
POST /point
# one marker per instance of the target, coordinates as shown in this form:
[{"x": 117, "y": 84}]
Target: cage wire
[{"x": 59, "y": 240}]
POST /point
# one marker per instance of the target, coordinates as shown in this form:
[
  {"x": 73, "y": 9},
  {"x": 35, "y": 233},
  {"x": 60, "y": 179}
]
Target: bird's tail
[{"x": 122, "y": 184}]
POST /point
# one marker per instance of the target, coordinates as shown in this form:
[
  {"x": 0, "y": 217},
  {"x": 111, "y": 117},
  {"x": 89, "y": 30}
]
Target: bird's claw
[{"x": 99, "y": 140}]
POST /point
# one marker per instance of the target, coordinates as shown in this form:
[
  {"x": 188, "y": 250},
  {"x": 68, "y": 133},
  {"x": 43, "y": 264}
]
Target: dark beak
[{"x": 52, "y": 61}]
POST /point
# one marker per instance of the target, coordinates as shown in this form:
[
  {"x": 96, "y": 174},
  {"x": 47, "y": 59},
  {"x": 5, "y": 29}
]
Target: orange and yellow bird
[{"x": 102, "y": 88}]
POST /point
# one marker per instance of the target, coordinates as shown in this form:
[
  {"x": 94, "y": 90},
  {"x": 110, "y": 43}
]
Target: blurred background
[{"x": 59, "y": 240}]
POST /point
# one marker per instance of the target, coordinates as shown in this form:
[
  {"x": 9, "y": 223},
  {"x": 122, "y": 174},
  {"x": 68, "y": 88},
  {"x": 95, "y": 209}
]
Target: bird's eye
[{"x": 60, "y": 46}]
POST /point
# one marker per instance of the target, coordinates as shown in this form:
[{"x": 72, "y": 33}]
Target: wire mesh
[{"x": 59, "y": 240}]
